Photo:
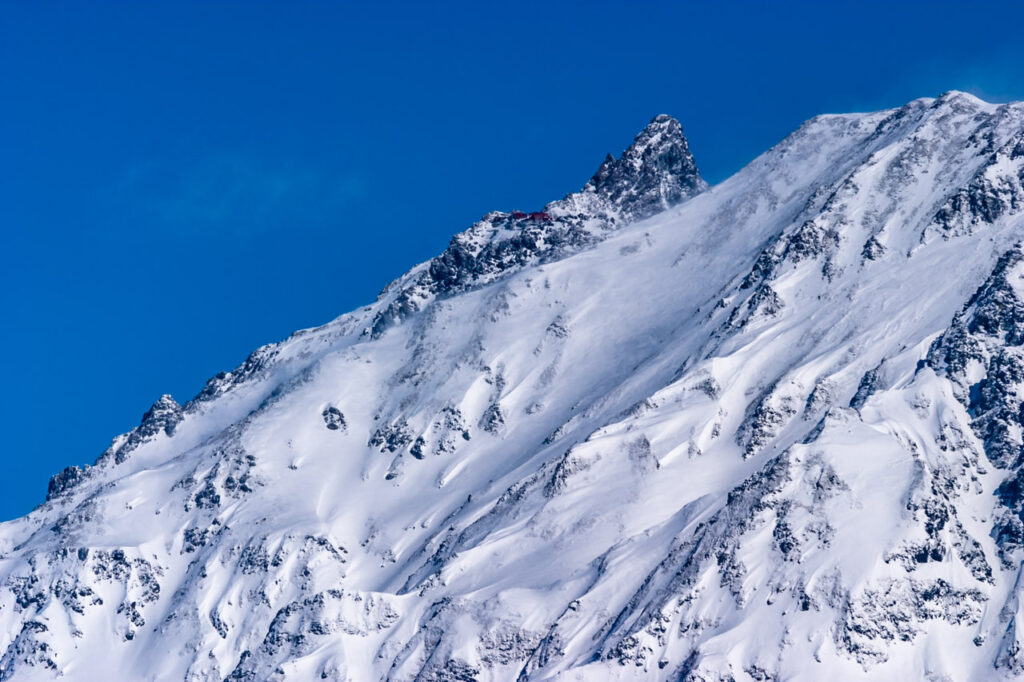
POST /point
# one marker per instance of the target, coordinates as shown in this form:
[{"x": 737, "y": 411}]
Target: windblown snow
[{"x": 766, "y": 430}]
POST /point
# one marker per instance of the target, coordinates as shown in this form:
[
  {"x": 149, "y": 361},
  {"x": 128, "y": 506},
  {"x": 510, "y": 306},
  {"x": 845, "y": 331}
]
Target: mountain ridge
[
  {"x": 768, "y": 432},
  {"x": 660, "y": 150}
]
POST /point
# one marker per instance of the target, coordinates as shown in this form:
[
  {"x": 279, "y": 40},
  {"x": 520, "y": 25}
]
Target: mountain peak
[
  {"x": 790, "y": 407},
  {"x": 655, "y": 172}
]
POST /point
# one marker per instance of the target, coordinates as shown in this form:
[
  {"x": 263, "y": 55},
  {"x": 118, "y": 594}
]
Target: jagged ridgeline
[{"x": 768, "y": 430}]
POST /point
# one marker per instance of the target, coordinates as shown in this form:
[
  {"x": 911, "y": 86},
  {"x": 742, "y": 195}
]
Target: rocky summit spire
[{"x": 656, "y": 171}]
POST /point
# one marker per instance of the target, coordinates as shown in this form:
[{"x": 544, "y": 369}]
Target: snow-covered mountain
[{"x": 767, "y": 430}]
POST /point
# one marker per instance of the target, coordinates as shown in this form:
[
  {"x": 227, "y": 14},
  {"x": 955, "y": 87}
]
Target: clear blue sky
[{"x": 183, "y": 182}]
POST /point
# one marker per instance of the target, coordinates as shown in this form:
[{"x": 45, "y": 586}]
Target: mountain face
[{"x": 768, "y": 430}]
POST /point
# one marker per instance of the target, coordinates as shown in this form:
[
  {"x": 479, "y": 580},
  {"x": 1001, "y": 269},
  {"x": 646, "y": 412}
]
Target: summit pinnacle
[{"x": 656, "y": 172}]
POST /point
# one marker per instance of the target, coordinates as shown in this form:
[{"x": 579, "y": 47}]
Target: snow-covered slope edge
[{"x": 771, "y": 430}]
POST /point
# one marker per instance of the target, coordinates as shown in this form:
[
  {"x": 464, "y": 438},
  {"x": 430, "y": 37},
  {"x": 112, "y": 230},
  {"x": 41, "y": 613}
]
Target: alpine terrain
[{"x": 655, "y": 430}]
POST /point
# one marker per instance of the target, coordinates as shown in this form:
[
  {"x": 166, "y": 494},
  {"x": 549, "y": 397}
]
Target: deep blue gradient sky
[{"x": 183, "y": 182}]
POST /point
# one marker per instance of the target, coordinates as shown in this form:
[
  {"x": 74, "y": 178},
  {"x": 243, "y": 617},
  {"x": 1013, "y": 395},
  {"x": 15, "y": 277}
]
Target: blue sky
[{"x": 183, "y": 182}]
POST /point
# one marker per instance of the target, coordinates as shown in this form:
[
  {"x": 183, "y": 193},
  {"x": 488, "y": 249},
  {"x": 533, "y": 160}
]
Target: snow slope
[{"x": 769, "y": 430}]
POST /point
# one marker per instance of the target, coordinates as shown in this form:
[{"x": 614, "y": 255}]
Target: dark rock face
[
  {"x": 656, "y": 172},
  {"x": 391, "y": 437},
  {"x": 867, "y": 386},
  {"x": 254, "y": 365},
  {"x": 459, "y": 265},
  {"x": 991, "y": 194},
  {"x": 897, "y": 611},
  {"x": 162, "y": 417},
  {"x": 989, "y": 332},
  {"x": 65, "y": 480},
  {"x": 334, "y": 419},
  {"x": 492, "y": 421}
]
